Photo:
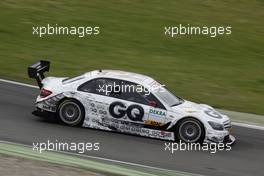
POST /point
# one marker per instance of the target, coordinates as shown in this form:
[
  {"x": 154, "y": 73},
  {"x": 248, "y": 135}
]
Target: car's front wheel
[
  {"x": 71, "y": 112},
  {"x": 190, "y": 130}
]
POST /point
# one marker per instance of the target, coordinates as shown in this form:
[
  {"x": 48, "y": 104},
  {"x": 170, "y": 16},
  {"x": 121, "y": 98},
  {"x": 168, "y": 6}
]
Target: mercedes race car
[{"x": 128, "y": 103}]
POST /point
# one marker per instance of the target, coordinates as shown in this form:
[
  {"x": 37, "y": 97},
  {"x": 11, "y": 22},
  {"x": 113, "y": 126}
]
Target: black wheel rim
[
  {"x": 70, "y": 113},
  {"x": 190, "y": 131}
]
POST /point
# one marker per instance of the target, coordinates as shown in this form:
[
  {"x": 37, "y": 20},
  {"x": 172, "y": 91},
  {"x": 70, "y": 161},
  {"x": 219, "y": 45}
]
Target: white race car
[{"x": 129, "y": 103}]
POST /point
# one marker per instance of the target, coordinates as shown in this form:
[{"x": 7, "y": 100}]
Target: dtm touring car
[{"x": 95, "y": 100}]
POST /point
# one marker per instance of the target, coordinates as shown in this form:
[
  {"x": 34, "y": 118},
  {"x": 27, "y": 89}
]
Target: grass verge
[{"x": 226, "y": 72}]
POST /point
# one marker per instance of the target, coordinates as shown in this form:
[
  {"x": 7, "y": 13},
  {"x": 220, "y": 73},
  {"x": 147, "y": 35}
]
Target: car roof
[{"x": 122, "y": 75}]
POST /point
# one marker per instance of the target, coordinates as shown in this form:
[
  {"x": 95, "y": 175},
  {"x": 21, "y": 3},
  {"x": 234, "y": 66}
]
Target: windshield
[{"x": 168, "y": 97}]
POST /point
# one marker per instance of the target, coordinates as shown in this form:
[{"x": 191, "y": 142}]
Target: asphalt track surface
[{"x": 17, "y": 124}]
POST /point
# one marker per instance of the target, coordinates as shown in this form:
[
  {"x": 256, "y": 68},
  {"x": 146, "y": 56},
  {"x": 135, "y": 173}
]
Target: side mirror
[{"x": 153, "y": 103}]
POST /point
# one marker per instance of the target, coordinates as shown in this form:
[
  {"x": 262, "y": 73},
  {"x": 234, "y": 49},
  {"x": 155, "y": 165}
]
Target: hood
[
  {"x": 189, "y": 106},
  {"x": 195, "y": 109}
]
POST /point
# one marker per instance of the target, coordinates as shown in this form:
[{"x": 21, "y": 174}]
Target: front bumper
[
  {"x": 229, "y": 139},
  {"x": 214, "y": 136}
]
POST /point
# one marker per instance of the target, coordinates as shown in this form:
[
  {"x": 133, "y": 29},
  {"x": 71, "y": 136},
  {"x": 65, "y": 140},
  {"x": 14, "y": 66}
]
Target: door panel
[{"x": 120, "y": 106}]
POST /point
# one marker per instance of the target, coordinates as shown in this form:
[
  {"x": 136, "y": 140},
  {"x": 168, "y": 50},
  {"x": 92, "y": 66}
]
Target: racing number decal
[{"x": 126, "y": 111}]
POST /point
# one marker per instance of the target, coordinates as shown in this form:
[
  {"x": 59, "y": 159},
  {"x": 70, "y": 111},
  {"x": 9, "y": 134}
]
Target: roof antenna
[{"x": 100, "y": 70}]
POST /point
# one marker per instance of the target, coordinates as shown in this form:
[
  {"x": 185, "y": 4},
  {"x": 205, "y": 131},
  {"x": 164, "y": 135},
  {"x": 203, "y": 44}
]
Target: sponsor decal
[
  {"x": 157, "y": 112},
  {"x": 146, "y": 132},
  {"x": 154, "y": 123},
  {"x": 94, "y": 110},
  {"x": 92, "y": 104},
  {"x": 46, "y": 107},
  {"x": 213, "y": 113},
  {"x": 97, "y": 109},
  {"x": 189, "y": 110},
  {"x": 102, "y": 112},
  {"x": 119, "y": 110},
  {"x": 112, "y": 124}
]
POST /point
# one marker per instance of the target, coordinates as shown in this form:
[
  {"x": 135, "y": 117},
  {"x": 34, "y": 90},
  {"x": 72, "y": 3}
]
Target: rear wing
[{"x": 37, "y": 71}]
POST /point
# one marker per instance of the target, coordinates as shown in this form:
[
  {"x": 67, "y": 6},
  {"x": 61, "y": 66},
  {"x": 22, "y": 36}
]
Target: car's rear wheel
[
  {"x": 190, "y": 130},
  {"x": 71, "y": 112}
]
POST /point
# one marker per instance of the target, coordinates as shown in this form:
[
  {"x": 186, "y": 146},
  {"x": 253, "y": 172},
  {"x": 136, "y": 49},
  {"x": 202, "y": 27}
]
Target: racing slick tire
[
  {"x": 71, "y": 112},
  {"x": 190, "y": 130}
]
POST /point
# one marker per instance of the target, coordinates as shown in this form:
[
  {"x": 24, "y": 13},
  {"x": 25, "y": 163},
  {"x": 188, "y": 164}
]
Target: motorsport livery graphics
[{"x": 128, "y": 103}]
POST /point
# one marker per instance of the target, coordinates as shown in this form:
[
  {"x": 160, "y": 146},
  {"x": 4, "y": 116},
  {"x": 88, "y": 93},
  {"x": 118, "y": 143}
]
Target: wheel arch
[
  {"x": 175, "y": 126},
  {"x": 186, "y": 117},
  {"x": 70, "y": 98}
]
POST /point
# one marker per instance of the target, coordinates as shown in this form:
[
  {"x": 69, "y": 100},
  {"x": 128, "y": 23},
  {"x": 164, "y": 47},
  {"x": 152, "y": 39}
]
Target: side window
[
  {"x": 88, "y": 87},
  {"x": 122, "y": 90},
  {"x": 152, "y": 100},
  {"x": 109, "y": 87},
  {"x": 101, "y": 86},
  {"x": 129, "y": 92},
  {"x": 137, "y": 93}
]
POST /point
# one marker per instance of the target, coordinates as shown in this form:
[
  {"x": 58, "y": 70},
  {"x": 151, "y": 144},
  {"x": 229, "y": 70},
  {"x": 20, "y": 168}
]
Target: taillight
[{"x": 44, "y": 93}]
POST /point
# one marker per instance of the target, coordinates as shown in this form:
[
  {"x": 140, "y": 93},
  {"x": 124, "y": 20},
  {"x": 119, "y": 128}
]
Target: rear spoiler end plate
[{"x": 37, "y": 71}]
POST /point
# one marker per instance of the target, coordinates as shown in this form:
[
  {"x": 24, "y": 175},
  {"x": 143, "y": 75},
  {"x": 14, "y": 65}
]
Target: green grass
[{"x": 226, "y": 72}]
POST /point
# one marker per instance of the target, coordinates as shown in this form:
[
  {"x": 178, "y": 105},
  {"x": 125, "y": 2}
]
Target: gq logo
[{"x": 119, "y": 110}]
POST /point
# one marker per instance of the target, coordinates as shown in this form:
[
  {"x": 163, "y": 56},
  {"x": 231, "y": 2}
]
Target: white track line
[
  {"x": 18, "y": 83},
  {"x": 248, "y": 125},
  {"x": 234, "y": 123}
]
